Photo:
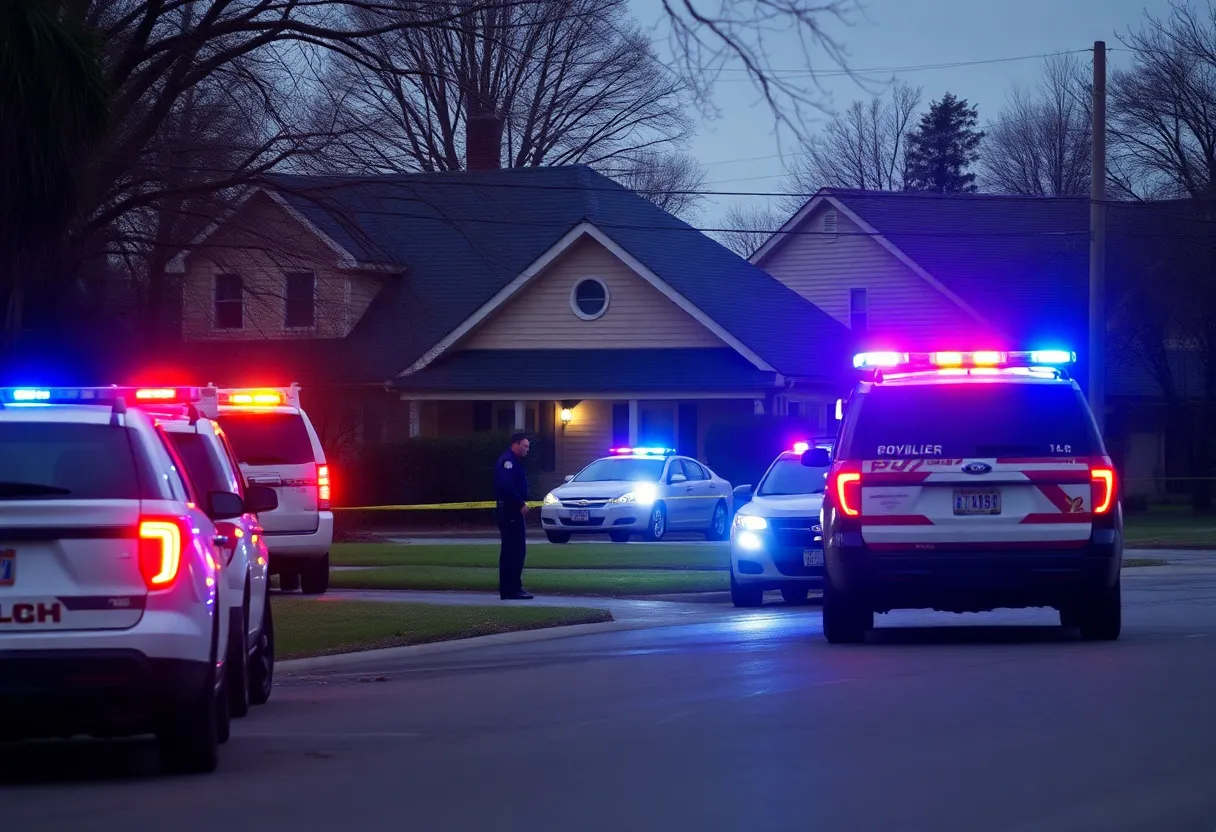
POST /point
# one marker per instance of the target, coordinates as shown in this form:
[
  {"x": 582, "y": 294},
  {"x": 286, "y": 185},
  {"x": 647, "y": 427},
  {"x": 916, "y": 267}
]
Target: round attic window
[{"x": 589, "y": 298}]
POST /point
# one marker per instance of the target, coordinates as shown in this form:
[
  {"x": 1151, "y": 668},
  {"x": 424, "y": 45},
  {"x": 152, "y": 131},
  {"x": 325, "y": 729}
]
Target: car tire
[
  {"x": 619, "y": 537},
  {"x": 261, "y": 669},
  {"x": 557, "y": 537},
  {"x": 289, "y": 581},
  {"x": 719, "y": 523},
  {"x": 795, "y": 594},
  {"x": 238, "y": 662},
  {"x": 314, "y": 578},
  {"x": 656, "y": 523},
  {"x": 188, "y": 743},
  {"x": 1100, "y": 618},
  {"x": 744, "y": 596},
  {"x": 845, "y": 621}
]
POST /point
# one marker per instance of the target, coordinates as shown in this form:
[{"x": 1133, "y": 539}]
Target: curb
[{"x": 373, "y": 657}]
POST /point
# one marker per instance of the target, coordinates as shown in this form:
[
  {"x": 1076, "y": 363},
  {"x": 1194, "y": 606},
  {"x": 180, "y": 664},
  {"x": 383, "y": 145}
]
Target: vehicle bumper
[
  {"x": 102, "y": 692},
  {"x": 973, "y": 579},
  {"x": 757, "y": 558},
  {"x": 297, "y": 547},
  {"x": 626, "y": 517}
]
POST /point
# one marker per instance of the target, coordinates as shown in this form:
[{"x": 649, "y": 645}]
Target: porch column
[
  {"x": 521, "y": 415},
  {"x": 758, "y": 407},
  {"x": 633, "y": 422},
  {"x": 415, "y": 418}
]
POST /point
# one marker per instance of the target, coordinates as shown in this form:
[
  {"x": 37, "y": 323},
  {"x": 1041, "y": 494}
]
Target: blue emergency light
[
  {"x": 962, "y": 360},
  {"x": 627, "y": 451}
]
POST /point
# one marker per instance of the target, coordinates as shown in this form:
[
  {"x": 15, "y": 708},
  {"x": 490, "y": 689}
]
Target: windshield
[
  {"x": 961, "y": 421},
  {"x": 788, "y": 477},
  {"x": 64, "y": 461},
  {"x": 626, "y": 469},
  {"x": 268, "y": 438}
]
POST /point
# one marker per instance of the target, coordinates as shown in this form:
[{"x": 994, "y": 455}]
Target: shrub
[{"x": 741, "y": 450}]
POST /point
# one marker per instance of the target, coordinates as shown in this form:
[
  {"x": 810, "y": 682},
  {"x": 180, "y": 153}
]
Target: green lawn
[
  {"x": 600, "y": 582},
  {"x": 323, "y": 627},
  {"x": 1169, "y": 529},
  {"x": 542, "y": 556}
]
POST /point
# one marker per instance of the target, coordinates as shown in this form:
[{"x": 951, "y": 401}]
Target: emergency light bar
[
  {"x": 101, "y": 395},
  {"x": 978, "y": 358},
  {"x": 641, "y": 451},
  {"x": 258, "y": 396}
]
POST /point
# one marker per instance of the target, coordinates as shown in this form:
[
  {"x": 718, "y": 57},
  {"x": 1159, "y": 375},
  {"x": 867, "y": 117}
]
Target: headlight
[
  {"x": 750, "y": 522},
  {"x": 550, "y": 500},
  {"x": 642, "y": 494}
]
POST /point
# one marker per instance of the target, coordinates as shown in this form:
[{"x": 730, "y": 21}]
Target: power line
[{"x": 833, "y": 73}]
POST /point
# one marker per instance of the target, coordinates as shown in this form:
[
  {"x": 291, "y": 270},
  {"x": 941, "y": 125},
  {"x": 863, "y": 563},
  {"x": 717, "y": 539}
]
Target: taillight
[
  {"x": 161, "y": 545},
  {"x": 844, "y": 481},
  {"x": 323, "y": 487},
  {"x": 1102, "y": 480}
]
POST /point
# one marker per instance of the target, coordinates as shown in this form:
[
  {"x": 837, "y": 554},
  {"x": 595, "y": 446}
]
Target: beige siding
[
  {"x": 824, "y": 267},
  {"x": 638, "y": 315},
  {"x": 586, "y": 438},
  {"x": 262, "y": 243}
]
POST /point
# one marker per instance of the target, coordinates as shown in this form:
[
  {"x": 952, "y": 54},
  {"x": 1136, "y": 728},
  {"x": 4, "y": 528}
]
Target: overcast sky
[{"x": 903, "y": 33}]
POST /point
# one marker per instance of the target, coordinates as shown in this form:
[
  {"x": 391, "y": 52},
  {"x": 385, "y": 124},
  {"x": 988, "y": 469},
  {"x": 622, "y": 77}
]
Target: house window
[
  {"x": 858, "y": 310},
  {"x": 301, "y": 301},
  {"x": 589, "y": 298},
  {"x": 229, "y": 301}
]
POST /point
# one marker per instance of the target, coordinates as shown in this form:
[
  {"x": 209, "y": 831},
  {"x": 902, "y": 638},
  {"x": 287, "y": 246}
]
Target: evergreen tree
[{"x": 943, "y": 147}]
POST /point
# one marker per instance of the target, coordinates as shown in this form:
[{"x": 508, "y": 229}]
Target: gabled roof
[{"x": 460, "y": 238}]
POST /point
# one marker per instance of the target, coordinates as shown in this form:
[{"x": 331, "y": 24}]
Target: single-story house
[
  {"x": 922, "y": 271},
  {"x": 547, "y": 299}
]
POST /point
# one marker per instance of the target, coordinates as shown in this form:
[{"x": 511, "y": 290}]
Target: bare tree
[
  {"x": 747, "y": 227},
  {"x": 671, "y": 180},
  {"x": 1162, "y": 133},
  {"x": 863, "y": 147},
  {"x": 1041, "y": 143}
]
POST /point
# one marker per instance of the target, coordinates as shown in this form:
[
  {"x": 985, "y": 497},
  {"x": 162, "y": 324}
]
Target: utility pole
[{"x": 1097, "y": 244}]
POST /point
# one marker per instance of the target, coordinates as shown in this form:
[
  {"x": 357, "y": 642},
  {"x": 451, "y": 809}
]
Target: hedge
[
  {"x": 740, "y": 451},
  {"x": 432, "y": 469}
]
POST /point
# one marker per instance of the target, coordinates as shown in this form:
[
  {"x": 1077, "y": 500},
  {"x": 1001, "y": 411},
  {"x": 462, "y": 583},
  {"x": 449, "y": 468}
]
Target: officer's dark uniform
[{"x": 511, "y": 495}]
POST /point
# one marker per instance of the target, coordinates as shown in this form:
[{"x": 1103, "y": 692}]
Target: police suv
[
  {"x": 967, "y": 482},
  {"x": 188, "y": 419},
  {"x": 112, "y": 592},
  {"x": 775, "y": 540},
  {"x": 277, "y": 446}
]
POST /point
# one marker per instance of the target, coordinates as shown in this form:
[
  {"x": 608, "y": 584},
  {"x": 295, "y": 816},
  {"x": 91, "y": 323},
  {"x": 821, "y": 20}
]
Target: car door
[
  {"x": 251, "y": 529},
  {"x": 679, "y": 492},
  {"x": 704, "y": 493}
]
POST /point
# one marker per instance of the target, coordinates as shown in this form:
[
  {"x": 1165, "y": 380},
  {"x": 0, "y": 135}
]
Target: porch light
[{"x": 567, "y": 416}]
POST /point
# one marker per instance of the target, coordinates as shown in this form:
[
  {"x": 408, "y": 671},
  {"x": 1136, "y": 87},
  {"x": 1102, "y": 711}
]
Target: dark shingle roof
[
  {"x": 461, "y": 237},
  {"x": 589, "y": 370}
]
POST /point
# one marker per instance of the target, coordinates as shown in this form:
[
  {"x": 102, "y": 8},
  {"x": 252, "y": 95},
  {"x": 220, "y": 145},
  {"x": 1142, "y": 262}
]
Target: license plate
[
  {"x": 812, "y": 557},
  {"x": 977, "y": 502},
  {"x": 8, "y": 567},
  {"x": 580, "y": 516}
]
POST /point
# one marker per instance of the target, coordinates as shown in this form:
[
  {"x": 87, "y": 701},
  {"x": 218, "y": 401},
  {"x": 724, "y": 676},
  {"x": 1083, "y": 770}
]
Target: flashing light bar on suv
[
  {"x": 101, "y": 395},
  {"x": 641, "y": 451},
  {"x": 258, "y": 396},
  {"x": 954, "y": 359}
]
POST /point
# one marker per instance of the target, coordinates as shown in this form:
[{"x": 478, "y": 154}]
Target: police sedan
[
  {"x": 775, "y": 540},
  {"x": 638, "y": 491}
]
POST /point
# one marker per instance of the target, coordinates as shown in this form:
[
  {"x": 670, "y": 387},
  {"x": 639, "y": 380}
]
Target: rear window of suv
[
  {"x": 268, "y": 438},
  {"x": 66, "y": 461},
  {"x": 983, "y": 420}
]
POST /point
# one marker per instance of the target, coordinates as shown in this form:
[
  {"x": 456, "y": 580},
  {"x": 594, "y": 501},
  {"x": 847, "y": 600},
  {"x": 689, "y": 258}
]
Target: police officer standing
[{"x": 511, "y": 512}]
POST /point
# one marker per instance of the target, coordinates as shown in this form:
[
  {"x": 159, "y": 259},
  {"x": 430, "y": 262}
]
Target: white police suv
[
  {"x": 277, "y": 446},
  {"x": 188, "y": 421},
  {"x": 112, "y": 592},
  {"x": 967, "y": 482},
  {"x": 775, "y": 540},
  {"x": 647, "y": 491}
]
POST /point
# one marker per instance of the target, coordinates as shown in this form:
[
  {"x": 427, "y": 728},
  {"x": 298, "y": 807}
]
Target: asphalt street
[{"x": 728, "y": 720}]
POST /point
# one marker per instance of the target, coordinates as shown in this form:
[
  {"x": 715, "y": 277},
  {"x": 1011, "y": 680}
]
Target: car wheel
[
  {"x": 238, "y": 662},
  {"x": 261, "y": 671},
  {"x": 1101, "y": 617},
  {"x": 656, "y": 523},
  {"x": 845, "y": 621},
  {"x": 619, "y": 537},
  {"x": 189, "y": 741},
  {"x": 717, "y": 524},
  {"x": 742, "y": 595},
  {"x": 289, "y": 581},
  {"x": 314, "y": 578},
  {"x": 795, "y": 594},
  {"x": 558, "y": 537}
]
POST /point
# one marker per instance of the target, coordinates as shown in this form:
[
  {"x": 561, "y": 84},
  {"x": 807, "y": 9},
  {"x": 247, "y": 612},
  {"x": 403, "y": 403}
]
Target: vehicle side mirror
[
  {"x": 816, "y": 458},
  {"x": 676, "y": 479},
  {"x": 259, "y": 498},
  {"x": 224, "y": 505},
  {"x": 569, "y": 477},
  {"x": 743, "y": 493}
]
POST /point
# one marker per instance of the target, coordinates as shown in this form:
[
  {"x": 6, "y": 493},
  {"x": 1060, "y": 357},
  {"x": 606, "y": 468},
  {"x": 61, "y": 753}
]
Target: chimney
[{"x": 483, "y": 138}]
